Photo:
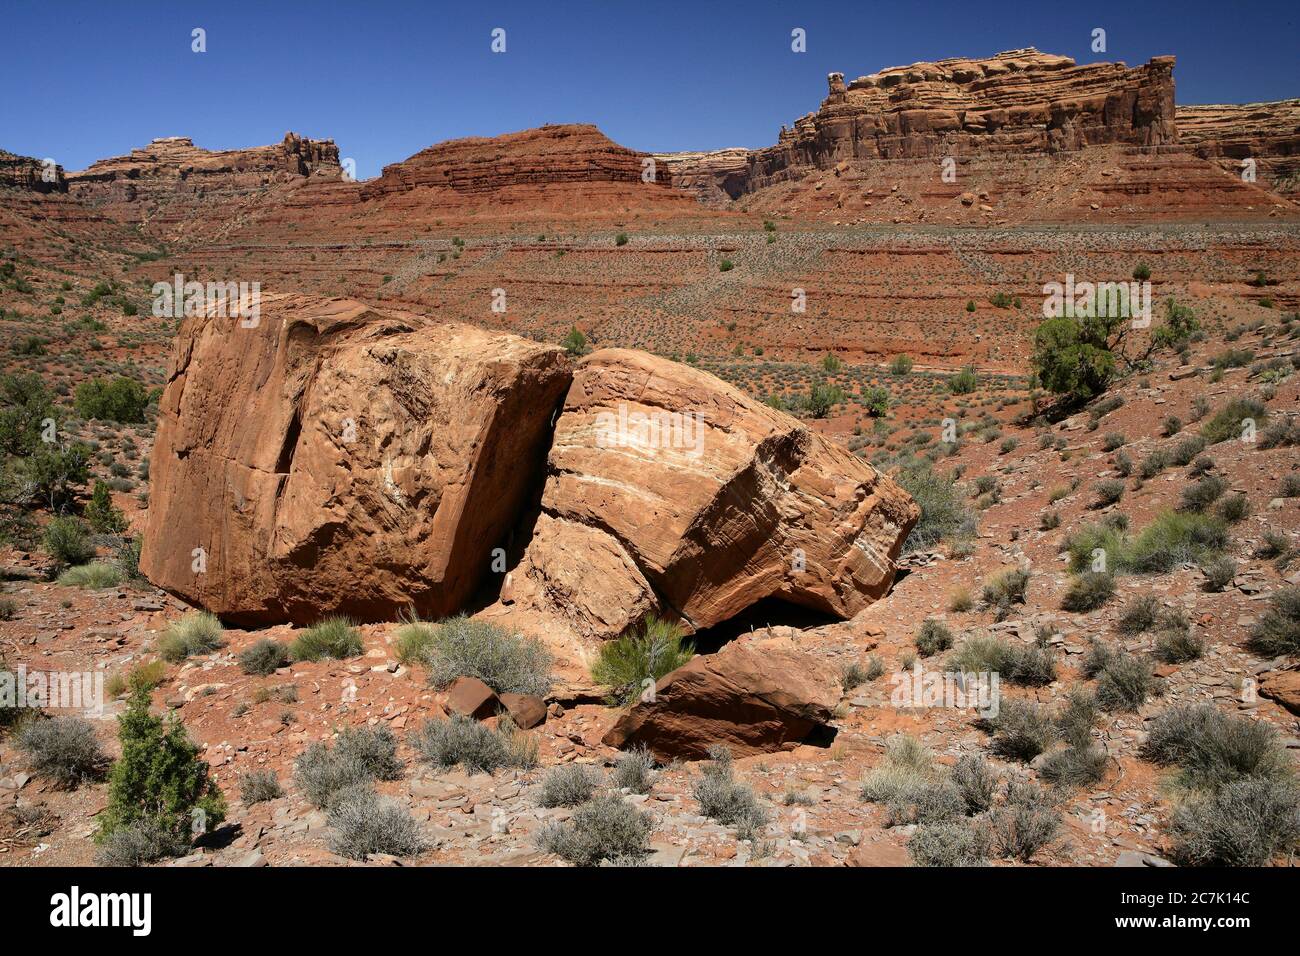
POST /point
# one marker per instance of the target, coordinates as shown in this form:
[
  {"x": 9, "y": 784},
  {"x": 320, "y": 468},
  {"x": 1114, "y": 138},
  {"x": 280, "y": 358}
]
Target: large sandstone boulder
[
  {"x": 341, "y": 459},
  {"x": 753, "y": 696},
  {"x": 669, "y": 491}
]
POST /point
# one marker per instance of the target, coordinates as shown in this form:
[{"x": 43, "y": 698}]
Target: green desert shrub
[
  {"x": 639, "y": 658},
  {"x": 1228, "y": 421},
  {"x": 68, "y": 541},
  {"x": 334, "y": 637},
  {"x": 933, "y": 637},
  {"x": 504, "y": 660},
  {"x": 943, "y": 514},
  {"x": 120, "y": 399},
  {"x": 569, "y": 785},
  {"x": 196, "y": 633},
  {"x": 606, "y": 828},
  {"x": 1172, "y": 538},
  {"x": 463, "y": 741},
  {"x": 1088, "y": 591},
  {"x": 413, "y": 640},
  {"x": 159, "y": 786},
  {"x": 103, "y": 516},
  {"x": 263, "y": 657},
  {"x": 1004, "y": 590},
  {"x": 95, "y": 576},
  {"x": 62, "y": 749}
]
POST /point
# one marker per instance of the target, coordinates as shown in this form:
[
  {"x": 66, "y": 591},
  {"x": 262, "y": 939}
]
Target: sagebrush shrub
[
  {"x": 320, "y": 772},
  {"x": 258, "y": 786},
  {"x": 64, "y": 749},
  {"x": 1125, "y": 682},
  {"x": 1278, "y": 631},
  {"x": 264, "y": 657},
  {"x": 364, "y": 823},
  {"x": 569, "y": 785},
  {"x": 975, "y": 781},
  {"x": 933, "y": 637},
  {"x": 727, "y": 800},
  {"x": 505, "y": 661},
  {"x": 147, "y": 840},
  {"x": 632, "y": 770},
  {"x": 1021, "y": 730},
  {"x": 606, "y": 828},
  {"x": 1026, "y": 822},
  {"x": 950, "y": 843},
  {"x": 1244, "y": 823},
  {"x": 374, "y": 748},
  {"x": 475, "y": 746}
]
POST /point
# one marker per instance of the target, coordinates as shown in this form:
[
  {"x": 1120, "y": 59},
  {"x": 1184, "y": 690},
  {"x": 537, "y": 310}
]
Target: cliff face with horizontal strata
[
  {"x": 559, "y": 154},
  {"x": 1268, "y": 133},
  {"x": 173, "y": 165},
  {"x": 30, "y": 174},
  {"x": 1016, "y": 102}
]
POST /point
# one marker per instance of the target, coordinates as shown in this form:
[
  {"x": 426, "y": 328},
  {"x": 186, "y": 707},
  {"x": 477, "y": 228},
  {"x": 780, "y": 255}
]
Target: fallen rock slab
[{"x": 753, "y": 696}]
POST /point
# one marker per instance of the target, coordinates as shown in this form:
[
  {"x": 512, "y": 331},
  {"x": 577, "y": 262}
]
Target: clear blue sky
[{"x": 84, "y": 80}]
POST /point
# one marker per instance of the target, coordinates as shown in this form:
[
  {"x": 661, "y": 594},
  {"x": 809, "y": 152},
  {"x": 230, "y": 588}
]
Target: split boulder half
[
  {"x": 339, "y": 459},
  {"x": 669, "y": 491}
]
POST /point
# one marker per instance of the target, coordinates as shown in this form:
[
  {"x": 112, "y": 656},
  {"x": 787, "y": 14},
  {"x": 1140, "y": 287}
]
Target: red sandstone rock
[
  {"x": 753, "y": 696},
  {"x": 672, "y": 491},
  {"x": 526, "y": 710},
  {"x": 1284, "y": 687},
  {"x": 340, "y": 459},
  {"x": 471, "y": 697}
]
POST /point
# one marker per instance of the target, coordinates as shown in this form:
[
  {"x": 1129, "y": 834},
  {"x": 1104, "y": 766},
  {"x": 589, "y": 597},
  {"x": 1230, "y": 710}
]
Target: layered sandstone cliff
[
  {"x": 173, "y": 164},
  {"x": 30, "y": 174},
  {"x": 1231, "y": 134},
  {"x": 1018, "y": 102}
]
